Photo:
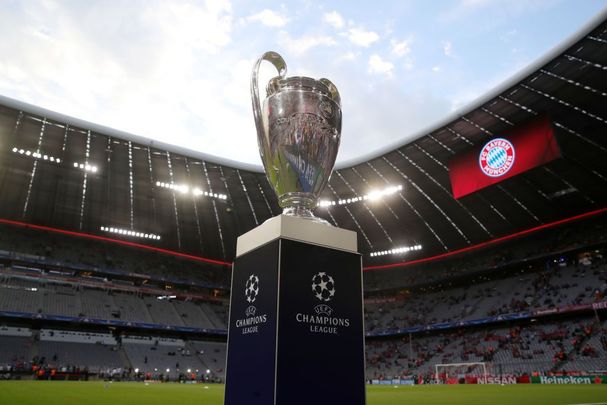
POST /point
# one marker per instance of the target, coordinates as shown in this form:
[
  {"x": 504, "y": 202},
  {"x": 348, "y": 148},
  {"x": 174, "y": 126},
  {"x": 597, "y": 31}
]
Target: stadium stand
[
  {"x": 534, "y": 278},
  {"x": 565, "y": 346}
]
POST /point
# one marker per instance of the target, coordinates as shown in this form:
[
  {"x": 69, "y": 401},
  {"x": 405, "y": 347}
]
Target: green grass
[{"x": 93, "y": 393}]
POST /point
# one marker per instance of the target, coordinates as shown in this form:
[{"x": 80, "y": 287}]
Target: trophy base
[
  {"x": 287, "y": 335},
  {"x": 304, "y": 213}
]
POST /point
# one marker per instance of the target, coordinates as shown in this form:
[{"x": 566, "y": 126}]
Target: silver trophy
[{"x": 298, "y": 132}]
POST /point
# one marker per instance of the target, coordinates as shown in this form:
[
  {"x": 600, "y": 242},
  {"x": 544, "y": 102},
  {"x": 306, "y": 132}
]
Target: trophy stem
[
  {"x": 300, "y": 205},
  {"x": 304, "y": 213}
]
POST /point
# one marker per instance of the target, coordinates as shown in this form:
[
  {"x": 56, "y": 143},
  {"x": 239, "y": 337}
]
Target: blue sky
[{"x": 179, "y": 72}]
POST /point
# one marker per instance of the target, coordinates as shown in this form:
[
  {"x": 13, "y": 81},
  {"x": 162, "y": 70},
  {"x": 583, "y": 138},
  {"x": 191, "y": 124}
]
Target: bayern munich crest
[{"x": 496, "y": 157}]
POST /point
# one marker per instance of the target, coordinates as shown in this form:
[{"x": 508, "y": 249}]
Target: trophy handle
[
  {"x": 333, "y": 89},
  {"x": 280, "y": 65}
]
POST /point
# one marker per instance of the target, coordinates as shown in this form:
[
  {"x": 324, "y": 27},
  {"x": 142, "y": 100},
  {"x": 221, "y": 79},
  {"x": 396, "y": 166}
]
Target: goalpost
[{"x": 446, "y": 366}]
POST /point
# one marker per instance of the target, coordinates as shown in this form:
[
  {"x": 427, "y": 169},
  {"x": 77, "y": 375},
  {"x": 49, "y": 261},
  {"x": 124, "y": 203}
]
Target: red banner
[{"x": 520, "y": 149}]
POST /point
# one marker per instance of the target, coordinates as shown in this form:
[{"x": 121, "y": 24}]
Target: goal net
[{"x": 449, "y": 371}]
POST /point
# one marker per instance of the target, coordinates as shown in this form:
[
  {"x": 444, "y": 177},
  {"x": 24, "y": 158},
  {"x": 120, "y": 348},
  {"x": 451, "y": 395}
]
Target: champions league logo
[
  {"x": 250, "y": 311},
  {"x": 322, "y": 321},
  {"x": 252, "y": 288},
  {"x": 251, "y": 323},
  {"x": 496, "y": 157},
  {"x": 323, "y": 286}
]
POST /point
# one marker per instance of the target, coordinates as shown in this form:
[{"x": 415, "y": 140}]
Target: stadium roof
[{"x": 138, "y": 185}]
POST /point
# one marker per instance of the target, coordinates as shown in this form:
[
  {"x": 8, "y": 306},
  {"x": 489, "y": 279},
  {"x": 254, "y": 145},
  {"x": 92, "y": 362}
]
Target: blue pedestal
[{"x": 296, "y": 331}]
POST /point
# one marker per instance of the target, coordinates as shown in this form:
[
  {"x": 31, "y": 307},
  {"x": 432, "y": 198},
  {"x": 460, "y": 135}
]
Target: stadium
[{"x": 116, "y": 252}]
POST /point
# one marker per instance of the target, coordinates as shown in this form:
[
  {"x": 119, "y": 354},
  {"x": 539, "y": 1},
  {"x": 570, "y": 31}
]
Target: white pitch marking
[{"x": 592, "y": 403}]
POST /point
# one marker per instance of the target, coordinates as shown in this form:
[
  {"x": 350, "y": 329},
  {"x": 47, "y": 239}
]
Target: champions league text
[
  {"x": 249, "y": 325},
  {"x": 322, "y": 324}
]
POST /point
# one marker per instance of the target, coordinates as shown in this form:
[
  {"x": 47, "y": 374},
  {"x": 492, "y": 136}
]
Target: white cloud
[
  {"x": 299, "y": 46},
  {"x": 334, "y": 19},
  {"x": 401, "y": 48},
  {"x": 362, "y": 37},
  {"x": 269, "y": 18},
  {"x": 436, "y": 69},
  {"x": 447, "y": 48},
  {"x": 379, "y": 66},
  {"x": 207, "y": 27},
  {"x": 349, "y": 56}
]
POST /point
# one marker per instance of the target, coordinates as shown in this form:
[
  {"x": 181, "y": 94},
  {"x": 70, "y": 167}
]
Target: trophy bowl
[{"x": 298, "y": 132}]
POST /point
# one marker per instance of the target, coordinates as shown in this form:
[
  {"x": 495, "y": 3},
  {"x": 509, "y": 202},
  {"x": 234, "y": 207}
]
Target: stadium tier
[{"x": 512, "y": 311}]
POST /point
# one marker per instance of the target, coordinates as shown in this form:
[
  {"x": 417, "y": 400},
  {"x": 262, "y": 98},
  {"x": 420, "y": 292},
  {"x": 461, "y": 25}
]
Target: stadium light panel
[
  {"x": 396, "y": 251},
  {"x": 36, "y": 155},
  {"x": 195, "y": 191},
  {"x": 129, "y": 232},
  {"x": 371, "y": 196},
  {"x": 87, "y": 167}
]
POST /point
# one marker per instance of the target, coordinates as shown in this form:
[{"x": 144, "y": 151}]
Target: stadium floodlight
[
  {"x": 86, "y": 166},
  {"x": 397, "y": 250},
  {"x": 208, "y": 371},
  {"x": 36, "y": 155},
  {"x": 195, "y": 191},
  {"x": 189, "y": 370},
  {"x": 168, "y": 370},
  {"x": 373, "y": 195},
  {"x": 136, "y": 370},
  {"x": 129, "y": 232}
]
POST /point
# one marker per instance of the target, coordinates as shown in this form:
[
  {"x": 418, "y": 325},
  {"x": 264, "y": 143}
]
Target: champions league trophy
[
  {"x": 298, "y": 132},
  {"x": 296, "y": 309}
]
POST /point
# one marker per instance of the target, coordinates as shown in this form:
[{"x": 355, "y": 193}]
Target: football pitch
[{"x": 93, "y": 393}]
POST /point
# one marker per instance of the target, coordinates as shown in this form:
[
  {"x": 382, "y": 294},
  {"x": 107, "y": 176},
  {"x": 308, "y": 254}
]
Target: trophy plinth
[
  {"x": 298, "y": 132},
  {"x": 296, "y": 316}
]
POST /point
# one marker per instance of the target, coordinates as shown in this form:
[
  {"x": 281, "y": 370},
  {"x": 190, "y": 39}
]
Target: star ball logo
[
  {"x": 252, "y": 288},
  {"x": 496, "y": 157},
  {"x": 322, "y": 320},
  {"x": 323, "y": 286},
  {"x": 252, "y": 322}
]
